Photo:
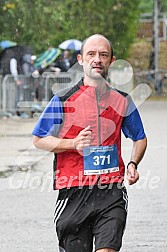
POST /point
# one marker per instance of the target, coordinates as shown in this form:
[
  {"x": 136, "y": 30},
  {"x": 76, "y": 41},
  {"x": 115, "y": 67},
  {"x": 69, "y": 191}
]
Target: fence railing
[
  {"x": 159, "y": 86},
  {"x": 33, "y": 91}
]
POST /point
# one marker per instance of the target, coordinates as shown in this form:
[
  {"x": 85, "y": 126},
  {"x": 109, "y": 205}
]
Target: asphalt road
[{"x": 27, "y": 198}]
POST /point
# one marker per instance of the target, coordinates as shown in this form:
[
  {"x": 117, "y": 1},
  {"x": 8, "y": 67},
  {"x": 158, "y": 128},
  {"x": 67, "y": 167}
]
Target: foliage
[
  {"x": 148, "y": 6},
  {"x": 41, "y": 24}
]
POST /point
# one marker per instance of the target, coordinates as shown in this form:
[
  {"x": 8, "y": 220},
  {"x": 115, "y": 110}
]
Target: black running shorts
[{"x": 83, "y": 215}]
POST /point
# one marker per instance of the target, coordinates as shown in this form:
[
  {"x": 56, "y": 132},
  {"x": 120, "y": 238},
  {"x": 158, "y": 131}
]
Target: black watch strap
[{"x": 132, "y": 162}]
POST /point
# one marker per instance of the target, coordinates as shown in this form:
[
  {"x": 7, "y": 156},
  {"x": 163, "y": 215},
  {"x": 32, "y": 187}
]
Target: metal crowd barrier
[
  {"x": 159, "y": 86},
  {"x": 24, "y": 89},
  {"x": 56, "y": 81},
  {"x": 40, "y": 90},
  {"x": 29, "y": 91}
]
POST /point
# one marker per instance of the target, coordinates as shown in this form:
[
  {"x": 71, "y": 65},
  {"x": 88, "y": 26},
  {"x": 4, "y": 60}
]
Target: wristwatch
[{"x": 132, "y": 162}]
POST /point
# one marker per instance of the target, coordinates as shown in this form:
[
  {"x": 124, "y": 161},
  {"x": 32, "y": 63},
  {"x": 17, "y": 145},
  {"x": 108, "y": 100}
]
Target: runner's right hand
[{"x": 83, "y": 139}]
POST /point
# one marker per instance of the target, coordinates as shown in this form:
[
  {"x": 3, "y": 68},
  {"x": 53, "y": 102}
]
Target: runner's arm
[
  {"x": 57, "y": 145},
  {"x": 133, "y": 128},
  {"x": 138, "y": 150},
  {"x": 53, "y": 144},
  {"x": 137, "y": 154}
]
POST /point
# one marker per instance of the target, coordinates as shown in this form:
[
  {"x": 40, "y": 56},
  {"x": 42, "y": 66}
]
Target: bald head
[
  {"x": 96, "y": 57},
  {"x": 99, "y": 38}
]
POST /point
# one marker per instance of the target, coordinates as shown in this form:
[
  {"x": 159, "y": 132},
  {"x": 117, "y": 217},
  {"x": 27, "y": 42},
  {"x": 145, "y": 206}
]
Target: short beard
[{"x": 96, "y": 75}]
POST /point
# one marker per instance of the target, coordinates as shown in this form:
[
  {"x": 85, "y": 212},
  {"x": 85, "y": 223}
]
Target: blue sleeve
[
  {"x": 132, "y": 126},
  {"x": 50, "y": 120}
]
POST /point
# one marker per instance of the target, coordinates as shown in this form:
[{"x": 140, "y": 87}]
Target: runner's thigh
[{"x": 108, "y": 228}]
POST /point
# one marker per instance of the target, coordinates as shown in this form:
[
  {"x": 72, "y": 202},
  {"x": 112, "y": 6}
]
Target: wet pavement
[{"x": 27, "y": 198}]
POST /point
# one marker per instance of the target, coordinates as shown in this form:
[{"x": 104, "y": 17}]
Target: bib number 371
[{"x": 100, "y": 160}]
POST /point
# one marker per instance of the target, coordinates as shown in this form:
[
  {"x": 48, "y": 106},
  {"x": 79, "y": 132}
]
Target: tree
[
  {"x": 148, "y": 6},
  {"x": 47, "y": 23},
  {"x": 116, "y": 19}
]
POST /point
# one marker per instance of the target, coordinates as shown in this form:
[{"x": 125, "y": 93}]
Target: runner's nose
[{"x": 97, "y": 58}]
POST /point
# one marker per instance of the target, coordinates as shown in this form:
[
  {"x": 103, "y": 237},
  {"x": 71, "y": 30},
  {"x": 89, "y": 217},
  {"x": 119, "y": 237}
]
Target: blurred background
[{"x": 39, "y": 42}]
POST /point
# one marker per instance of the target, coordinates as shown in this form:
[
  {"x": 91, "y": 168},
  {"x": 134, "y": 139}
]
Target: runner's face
[{"x": 96, "y": 57}]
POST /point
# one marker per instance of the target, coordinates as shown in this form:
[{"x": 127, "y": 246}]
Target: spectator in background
[
  {"x": 57, "y": 65},
  {"x": 12, "y": 59},
  {"x": 28, "y": 64},
  {"x": 31, "y": 87},
  {"x": 74, "y": 57},
  {"x": 66, "y": 60},
  {"x": 13, "y": 70},
  {"x": 25, "y": 84}
]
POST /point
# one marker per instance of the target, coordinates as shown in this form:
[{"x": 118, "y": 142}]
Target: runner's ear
[
  {"x": 79, "y": 58},
  {"x": 113, "y": 59}
]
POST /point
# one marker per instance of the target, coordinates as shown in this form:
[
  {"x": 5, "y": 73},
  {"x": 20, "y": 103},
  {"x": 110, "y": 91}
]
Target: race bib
[{"x": 100, "y": 160}]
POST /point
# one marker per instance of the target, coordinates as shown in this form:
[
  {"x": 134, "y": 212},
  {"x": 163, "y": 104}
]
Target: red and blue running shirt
[{"x": 73, "y": 109}]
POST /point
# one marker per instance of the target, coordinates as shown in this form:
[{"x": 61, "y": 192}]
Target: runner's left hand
[{"x": 132, "y": 174}]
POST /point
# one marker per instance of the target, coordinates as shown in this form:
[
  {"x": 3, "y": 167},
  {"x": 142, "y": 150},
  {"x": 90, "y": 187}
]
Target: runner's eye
[
  {"x": 105, "y": 55},
  {"x": 91, "y": 54}
]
